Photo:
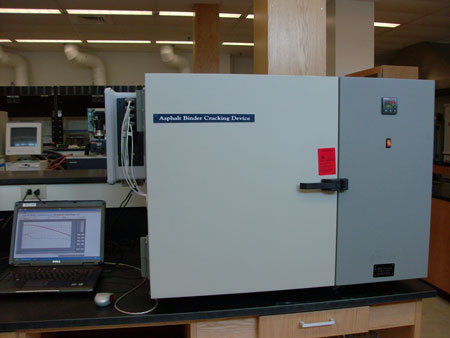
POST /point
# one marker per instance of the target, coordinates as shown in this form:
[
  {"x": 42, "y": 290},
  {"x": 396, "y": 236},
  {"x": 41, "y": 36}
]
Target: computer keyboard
[
  {"x": 49, "y": 279},
  {"x": 54, "y": 274}
]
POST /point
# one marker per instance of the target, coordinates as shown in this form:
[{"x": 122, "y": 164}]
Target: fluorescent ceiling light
[
  {"x": 29, "y": 11},
  {"x": 107, "y": 12},
  {"x": 168, "y": 13},
  {"x": 221, "y": 15},
  {"x": 250, "y": 16},
  {"x": 47, "y": 41},
  {"x": 237, "y": 43},
  {"x": 5, "y": 40},
  {"x": 386, "y": 24},
  {"x": 229, "y": 15},
  {"x": 175, "y": 42},
  {"x": 119, "y": 41}
]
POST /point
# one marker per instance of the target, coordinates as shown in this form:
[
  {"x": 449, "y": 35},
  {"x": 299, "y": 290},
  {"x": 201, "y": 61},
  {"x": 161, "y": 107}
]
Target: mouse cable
[{"x": 131, "y": 291}]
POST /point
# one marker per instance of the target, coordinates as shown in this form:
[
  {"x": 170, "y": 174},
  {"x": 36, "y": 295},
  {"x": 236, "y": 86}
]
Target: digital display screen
[
  {"x": 23, "y": 137},
  {"x": 389, "y": 105},
  {"x": 58, "y": 234}
]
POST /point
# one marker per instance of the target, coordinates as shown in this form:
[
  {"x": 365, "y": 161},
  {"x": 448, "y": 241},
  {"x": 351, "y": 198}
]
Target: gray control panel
[{"x": 384, "y": 216}]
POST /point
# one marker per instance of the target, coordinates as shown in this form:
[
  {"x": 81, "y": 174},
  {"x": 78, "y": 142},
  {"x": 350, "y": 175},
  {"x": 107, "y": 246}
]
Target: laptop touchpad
[{"x": 35, "y": 283}]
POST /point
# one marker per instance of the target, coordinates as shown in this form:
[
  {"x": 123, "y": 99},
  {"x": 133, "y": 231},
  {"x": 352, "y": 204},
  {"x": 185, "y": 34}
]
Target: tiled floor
[{"x": 436, "y": 318}]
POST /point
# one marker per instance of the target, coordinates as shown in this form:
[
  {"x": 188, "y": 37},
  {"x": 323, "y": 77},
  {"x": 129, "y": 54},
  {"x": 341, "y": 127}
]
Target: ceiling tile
[
  {"x": 434, "y": 21},
  {"x": 29, "y": 4},
  {"x": 47, "y": 20},
  {"x": 397, "y": 17},
  {"x": 422, "y": 20},
  {"x": 410, "y": 6}
]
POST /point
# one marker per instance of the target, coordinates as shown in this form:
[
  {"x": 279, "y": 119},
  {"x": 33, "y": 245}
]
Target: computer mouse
[{"x": 103, "y": 299}]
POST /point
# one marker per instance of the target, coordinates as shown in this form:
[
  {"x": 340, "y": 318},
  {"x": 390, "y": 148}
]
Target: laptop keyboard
[
  {"x": 74, "y": 275},
  {"x": 49, "y": 279}
]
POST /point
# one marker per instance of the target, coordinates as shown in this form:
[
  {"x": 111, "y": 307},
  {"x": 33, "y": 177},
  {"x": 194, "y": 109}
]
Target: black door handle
[{"x": 338, "y": 184}]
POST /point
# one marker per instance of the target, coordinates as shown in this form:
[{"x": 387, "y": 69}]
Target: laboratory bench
[
  {"x": 391, "y": 309},
  {"x": 52, "y": 177}
]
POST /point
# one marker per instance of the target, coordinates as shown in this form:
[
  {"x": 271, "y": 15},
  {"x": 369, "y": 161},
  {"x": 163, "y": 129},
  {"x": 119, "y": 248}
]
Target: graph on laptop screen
[{"x": 58, "y": 234}]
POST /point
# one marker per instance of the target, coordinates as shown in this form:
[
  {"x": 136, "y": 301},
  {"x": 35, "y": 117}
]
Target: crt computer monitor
[{"x": 23, "y": 138}]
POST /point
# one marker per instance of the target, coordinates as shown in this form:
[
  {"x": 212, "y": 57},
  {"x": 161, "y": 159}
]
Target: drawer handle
[{"x": 306, "y": 325}]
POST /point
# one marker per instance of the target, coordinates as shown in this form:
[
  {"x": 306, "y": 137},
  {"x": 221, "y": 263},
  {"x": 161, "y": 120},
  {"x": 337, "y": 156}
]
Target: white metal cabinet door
[{"x": 225, "y": 212}]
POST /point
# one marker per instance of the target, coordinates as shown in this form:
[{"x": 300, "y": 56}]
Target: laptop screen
[{"x": 58, "y": 235}]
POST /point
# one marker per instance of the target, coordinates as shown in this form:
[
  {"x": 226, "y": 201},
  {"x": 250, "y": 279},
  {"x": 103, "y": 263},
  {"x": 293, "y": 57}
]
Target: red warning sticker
[{"x": 327, "y": 161}]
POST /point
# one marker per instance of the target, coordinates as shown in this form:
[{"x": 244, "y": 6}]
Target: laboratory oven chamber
[
  {"x": 386, "y": 153},
  {"x": 225, "y": 156},
  {"x": 262, "y": 183}
]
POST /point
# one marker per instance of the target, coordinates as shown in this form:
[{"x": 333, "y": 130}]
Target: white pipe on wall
[
  {"x": 98, "y": 67},
  {"x": 173, "y": 60},
  {"x": 19, "y": 64}
]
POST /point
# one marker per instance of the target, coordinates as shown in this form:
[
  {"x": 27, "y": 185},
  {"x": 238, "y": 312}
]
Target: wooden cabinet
[
  {"x": 391, "y": 315},
  {"x": 394, "y": 72},
  {"x": 231, "y": 328},
  {"x": 315, "y": 324},
  {"x": 395, "y": 320},
  {"x": 439, "y": 257}
]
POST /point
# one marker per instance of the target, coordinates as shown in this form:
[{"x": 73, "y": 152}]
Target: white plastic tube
[
  {"x": 18, "y": 63},
  {"x": 98, "y": 67},
  {"x": 173, "y": 60}
]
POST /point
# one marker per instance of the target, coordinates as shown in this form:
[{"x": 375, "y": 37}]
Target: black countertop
[
  {"x": 40, "y": 311},
  {"x": 53, "y": 176}
]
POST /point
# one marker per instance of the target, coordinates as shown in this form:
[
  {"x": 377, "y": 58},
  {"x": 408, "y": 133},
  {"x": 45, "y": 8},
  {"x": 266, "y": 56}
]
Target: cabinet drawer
[
  {"x": 315, "y": 324},
  {"x": 230, "y": 328},
  {"x": 392, "y": 315}
]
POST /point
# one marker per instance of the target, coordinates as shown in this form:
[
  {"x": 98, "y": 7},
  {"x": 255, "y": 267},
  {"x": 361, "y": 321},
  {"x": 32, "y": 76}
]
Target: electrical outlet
[{"x": 42, "y": 188}]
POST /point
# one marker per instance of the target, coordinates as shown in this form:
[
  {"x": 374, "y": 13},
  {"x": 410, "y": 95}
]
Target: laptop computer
[{"x": 56, "y": 246}]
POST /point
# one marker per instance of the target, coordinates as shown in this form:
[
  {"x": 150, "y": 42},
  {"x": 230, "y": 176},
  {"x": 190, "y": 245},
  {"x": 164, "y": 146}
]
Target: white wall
[
  {"x": 350, "y": 36},
  {"x": 122, "y": 68},
  {"x": 112, "y": 194}
]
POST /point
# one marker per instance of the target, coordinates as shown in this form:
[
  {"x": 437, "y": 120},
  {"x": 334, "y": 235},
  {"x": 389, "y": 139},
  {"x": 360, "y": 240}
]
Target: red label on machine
[{"x": 327, "y": 161}]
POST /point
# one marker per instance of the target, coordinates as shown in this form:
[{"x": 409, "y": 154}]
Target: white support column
[{"x": 350, "y": 36}]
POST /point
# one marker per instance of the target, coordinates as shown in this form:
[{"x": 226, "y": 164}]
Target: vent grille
[
  {"x": 96, "y": 19},
  {"x": 90, "y": 19}
]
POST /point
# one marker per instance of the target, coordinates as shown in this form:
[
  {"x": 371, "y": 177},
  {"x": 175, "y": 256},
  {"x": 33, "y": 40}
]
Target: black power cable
[
  {"x": 37, "y": 193},
  {"x": 122, "y": 206}
]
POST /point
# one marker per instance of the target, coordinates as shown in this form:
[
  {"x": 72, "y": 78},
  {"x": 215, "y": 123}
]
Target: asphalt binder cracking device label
[
  {"x": 327, "y": 161},
  {"x": 203, "y": 118},
  {"x": 383, "y": 270}
]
